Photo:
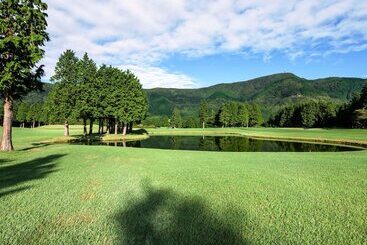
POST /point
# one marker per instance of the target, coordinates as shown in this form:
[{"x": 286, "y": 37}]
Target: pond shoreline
[{"x": 360, "y": 144}]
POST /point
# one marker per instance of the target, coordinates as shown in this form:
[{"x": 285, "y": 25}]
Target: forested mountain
[{"x": 271, "y": 92}]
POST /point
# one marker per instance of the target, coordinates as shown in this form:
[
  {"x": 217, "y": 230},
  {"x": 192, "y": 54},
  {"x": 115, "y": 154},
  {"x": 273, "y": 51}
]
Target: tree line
[
  {"x": 229, "y": 114},
  {"x": 352, "y": 114},
  {"x": 83, "y": 91},
  {"x": 31, "y": 114}
]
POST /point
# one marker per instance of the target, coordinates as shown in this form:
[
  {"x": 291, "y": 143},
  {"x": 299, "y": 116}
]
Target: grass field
[{"x": 74, "y": 194}]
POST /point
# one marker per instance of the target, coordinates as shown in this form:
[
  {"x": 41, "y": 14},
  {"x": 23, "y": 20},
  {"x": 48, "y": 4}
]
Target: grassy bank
[{"x": 69, "y": 194}]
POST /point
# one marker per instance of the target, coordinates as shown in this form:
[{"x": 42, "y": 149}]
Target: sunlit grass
[{"x": 69, "y": 194}]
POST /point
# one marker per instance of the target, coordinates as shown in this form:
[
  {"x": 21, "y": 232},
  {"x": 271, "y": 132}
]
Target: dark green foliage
[
  {"x": 23, "y": 33},
  {"x": 22, "y": 36},
  {"x": 86, "y": 89},
  {"x": 255, "y": 115},
  {"x": 261, "y": 90},
  {"x": 21, "y": 113},
  {"x": 234, "y": 114},
  {"x": 271, "y": 92},
  {"x": 176, "y": 119},
  {"x": 156, "y": 121},
  {"x": 204, "y": 113},
  {"x": 30, "y": 114},
  {"x": 192, "y": 122},
  {"x": 62, "y": 98},
  {"x": 85, "y": 92},
  {"x": 308, "y": 115},
  {"x": 352, "y": 114}
]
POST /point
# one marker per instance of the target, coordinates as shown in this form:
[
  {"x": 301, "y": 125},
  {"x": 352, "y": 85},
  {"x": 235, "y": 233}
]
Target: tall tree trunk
[
  {"x": 130, "y": 127},
  {"x": 125, "y": 129},
  {"x": 116, "y": 126},
  {"x": 203, "y": 124},
  {"x": 102, "y": 126},
  {"x": 66, "y": 128},
  {"x": 91, "y": 126},
  {"x": 33, "y": 124},
  {"x": 39, "y": 123},
  {"x": 84, "y": 126},
  {"x": 6, "y": 140}
]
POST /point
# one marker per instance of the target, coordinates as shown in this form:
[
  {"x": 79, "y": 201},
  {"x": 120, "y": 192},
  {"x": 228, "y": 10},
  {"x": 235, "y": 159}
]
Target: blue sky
[
  {"x": 235, "y": 67},
  {"x": 196, "y": 43}
]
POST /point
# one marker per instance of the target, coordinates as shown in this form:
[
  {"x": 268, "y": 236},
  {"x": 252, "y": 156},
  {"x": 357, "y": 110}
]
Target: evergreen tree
[
  {"x": 233, "y": 113},
  {"x": 326, "y": 114},
  {"x": 243, "y": 115},
  {"x": 62, "y": 98},
  {"x": 22, "y": 113},
  {"x": 22, "y": 35},
  {"x": 176, "y": 120},
  {"x": 164, "y": 121},
  {"x": 133, "y": 105},
  {"x": 224, "y": 115},
  {"x": 204, "y": 113},
  {"x": 360, "y": 118},
  {"x": 43, "y": 117},
  {"x": 255, "y": 115},
  {"x": 309, "y": 114},
  {"x": 85, "y": 107},
  {"x": 192, "y": 122}
]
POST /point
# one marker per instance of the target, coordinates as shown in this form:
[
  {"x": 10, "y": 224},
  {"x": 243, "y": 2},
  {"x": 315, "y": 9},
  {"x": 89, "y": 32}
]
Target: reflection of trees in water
[
  {"x": 222, "y": 143},
  {"x": 300, "y": 147},
  {"x": 176, "y": 142},
  {"x": 239, "y": 144},
  {"x": 208, "y": 144}
]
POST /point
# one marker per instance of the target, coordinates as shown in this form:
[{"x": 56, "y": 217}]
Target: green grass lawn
[{"x": 71, "y": 194}]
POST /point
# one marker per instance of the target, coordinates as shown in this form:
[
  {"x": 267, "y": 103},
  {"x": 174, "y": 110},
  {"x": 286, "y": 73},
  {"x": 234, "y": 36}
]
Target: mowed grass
[{"x": 74, "y": 194}]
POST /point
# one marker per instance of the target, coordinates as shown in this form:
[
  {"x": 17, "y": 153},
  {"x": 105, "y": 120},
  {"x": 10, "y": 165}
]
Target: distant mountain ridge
[{"x": 271, "y": 92}]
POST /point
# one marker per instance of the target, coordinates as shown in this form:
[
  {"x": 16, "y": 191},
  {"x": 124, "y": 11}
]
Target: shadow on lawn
[
  {"x": 164, "y": 217},
  {"x": 21, "y": 173},
  {"x": 36, "y": 146}
]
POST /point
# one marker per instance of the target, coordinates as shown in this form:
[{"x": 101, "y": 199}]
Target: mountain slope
[{"x": 270, "y": 91}]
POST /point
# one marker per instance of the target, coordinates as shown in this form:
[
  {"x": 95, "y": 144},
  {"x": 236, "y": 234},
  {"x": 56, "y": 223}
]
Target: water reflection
[{"x": 227, "y": 144}]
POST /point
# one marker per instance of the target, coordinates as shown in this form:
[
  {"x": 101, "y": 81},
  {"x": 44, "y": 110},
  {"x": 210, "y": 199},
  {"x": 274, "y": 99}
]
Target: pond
[{"x": 227, "y": 144}]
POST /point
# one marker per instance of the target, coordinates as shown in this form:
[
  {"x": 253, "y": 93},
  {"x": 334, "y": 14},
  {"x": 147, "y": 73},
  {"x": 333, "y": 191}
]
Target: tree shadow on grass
[
  {"x": 21, "y": 173},
  {"x": 165, "y": 217},
  {"x": 35, "y": 146}
]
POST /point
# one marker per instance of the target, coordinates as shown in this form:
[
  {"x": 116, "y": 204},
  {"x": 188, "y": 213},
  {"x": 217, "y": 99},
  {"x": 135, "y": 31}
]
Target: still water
[{"x": 227, "y": 144}]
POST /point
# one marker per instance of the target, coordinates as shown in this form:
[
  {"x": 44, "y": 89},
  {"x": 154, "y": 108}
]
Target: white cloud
[
  {"x": 153, "y": 77},
  {"x": 141, "y": 33}
]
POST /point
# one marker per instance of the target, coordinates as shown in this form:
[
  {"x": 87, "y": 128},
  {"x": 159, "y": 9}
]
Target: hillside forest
[{"x": 107, "y": 106}]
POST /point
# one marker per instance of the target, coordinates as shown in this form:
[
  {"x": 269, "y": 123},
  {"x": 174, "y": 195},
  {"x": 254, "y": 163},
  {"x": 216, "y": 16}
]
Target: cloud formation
[{"x": 140, "y": 34}]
